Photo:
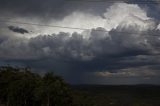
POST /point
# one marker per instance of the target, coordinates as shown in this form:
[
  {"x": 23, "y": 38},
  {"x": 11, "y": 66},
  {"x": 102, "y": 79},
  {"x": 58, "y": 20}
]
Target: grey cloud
[
  {"x": 58, "y": 9},
  {"x": 18, "y": 30},
  {"x": 100, "y": 50},
  {"x": 72, "y": 54},
  {"x": 48, "y": 9},
  {"x": 3, "y": 38}
]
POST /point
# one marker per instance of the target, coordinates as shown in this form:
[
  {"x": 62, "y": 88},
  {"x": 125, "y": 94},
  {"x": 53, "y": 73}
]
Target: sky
[{"x": 85, "y": 42}]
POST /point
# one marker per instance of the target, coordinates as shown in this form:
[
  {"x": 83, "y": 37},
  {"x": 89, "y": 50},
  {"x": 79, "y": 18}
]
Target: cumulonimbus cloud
[{"x": 127, "y": 34}]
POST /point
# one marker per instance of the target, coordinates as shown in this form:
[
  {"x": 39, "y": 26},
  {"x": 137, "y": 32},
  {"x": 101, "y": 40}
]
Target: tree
[
  {"x": 21, "y": 87},
  {"x": 54, "y": 91},
  {"x": 7, "y": 75},
  {"x": 21, "y": 91}
]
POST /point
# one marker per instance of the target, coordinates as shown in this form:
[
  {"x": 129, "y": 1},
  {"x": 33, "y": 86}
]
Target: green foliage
[
  {"x": 20, "y": 87},
  {"x": 54, "y": 91}
]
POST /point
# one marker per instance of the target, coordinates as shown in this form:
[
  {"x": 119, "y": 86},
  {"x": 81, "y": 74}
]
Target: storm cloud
[
  {"x": 17, "y": 29},
  {"x": 122, "y": 41}
]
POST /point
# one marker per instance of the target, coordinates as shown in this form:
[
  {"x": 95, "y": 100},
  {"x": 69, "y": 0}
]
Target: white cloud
[
  {"x": 158, "y": 27},
  {"x": 123, "y": 17},
  {"x": 123, "y": 14},
  {"x": 130, "y": 72},
  {"x": 120, "y": 15}
]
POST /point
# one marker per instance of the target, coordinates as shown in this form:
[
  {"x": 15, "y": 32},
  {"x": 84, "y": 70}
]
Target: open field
[{"x": 103, "y": 95}]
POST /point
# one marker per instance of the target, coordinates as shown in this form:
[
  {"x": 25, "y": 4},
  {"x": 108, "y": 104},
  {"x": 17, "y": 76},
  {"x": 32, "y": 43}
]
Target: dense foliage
[{"x": 20, "y": 87}]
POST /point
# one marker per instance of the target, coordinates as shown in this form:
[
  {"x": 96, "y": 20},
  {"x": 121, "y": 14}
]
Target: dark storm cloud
[
  {"x": 58, "y": 9},
  {"x": 71, "y": 54},
  {"x": 103, "y": 50},
  {"x": 100, "y": 44},
  {"x": 48, "y": 9},
  {"x": 30, "y": 7},
  {"x": 18, "y": 30},
  {"x": 3, "y": 38}
]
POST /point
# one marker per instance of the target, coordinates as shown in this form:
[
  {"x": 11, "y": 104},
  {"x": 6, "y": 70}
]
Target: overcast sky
[{"x": 115, "y": 42}]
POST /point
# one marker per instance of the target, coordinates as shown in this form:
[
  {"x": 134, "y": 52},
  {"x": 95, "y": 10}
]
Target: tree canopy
[{"x": 21, "y": 87}]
